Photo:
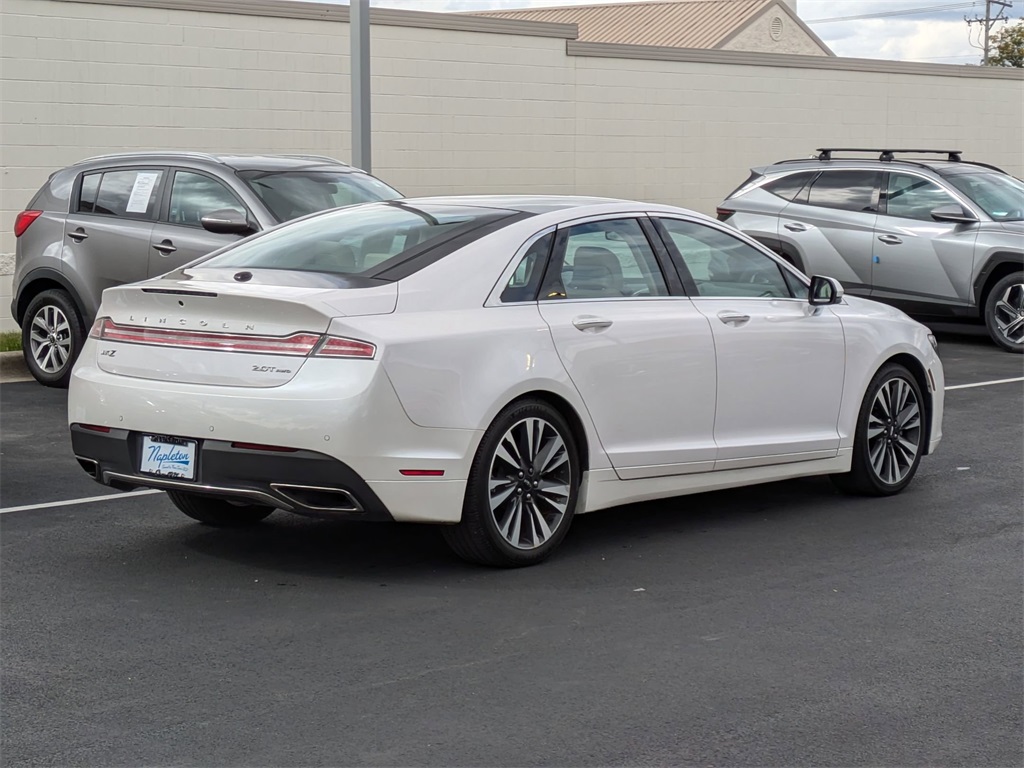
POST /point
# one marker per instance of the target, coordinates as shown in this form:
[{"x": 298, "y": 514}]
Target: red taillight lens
[
  {"x": 24, "y": 221},
  {"x": 261, "y": 447},
  {"x": 335, "y": 346},
  {"x": 298, "y": 344},
  {"x": 95, "y": 428},
  {"x": 724, "y": 213},
  {"x": 421, "y": 472}
]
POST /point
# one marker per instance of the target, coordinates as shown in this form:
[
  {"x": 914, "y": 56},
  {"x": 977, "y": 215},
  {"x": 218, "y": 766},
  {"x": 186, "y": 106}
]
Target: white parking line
[
  {"x": 87, "y": 500},
  {"x": 985, "y": 383}
]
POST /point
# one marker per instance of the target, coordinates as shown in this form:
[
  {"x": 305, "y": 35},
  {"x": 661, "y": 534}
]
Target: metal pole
[
  {"x": 988, "y": 26},
  {"x": 359, "y": 63}
]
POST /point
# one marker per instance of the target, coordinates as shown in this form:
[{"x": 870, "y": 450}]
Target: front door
[
  {"x": 781, "y": 362},
  {"x": 642, "y": 358},
  {"x": 920, "y": 261},
  {"x": 179, "y": 238}
]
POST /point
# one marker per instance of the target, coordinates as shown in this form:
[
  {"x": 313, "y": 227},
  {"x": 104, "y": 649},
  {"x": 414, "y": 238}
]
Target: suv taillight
[
  {"x": 24, "y": 221},
  {"x": 724, "y": 213}
]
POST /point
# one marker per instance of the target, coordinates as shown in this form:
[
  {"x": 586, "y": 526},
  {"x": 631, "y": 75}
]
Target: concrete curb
[{"x": 12, "y": 368}]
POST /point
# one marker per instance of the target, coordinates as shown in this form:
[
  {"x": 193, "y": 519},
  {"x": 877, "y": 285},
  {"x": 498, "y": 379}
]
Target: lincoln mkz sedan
[{"x": 495, "y": 365}]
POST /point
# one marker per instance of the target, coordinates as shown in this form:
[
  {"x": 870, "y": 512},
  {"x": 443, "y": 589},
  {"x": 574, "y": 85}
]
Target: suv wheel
[
  {"x": 51, "y": 337},
  {"x": 1004, "y": 313}
]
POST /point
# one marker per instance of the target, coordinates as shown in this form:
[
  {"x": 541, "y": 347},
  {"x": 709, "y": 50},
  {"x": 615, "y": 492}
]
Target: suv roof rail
[
  {"x": 153, "y": 153},
  {"x": 319, "y": 158},
  {"x": 888, "y": 155}
]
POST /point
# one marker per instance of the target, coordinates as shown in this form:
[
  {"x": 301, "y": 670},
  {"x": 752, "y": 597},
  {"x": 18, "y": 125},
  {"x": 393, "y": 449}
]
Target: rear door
[
  {"x": 107, "y": 233},
  {"x": 179, "y": 237},
  {"x": 920, "y": 261},
  {"x": 832, "y": 222},
  {"x": 781, "y": 362},
  {"x": 639, "y": 353}
]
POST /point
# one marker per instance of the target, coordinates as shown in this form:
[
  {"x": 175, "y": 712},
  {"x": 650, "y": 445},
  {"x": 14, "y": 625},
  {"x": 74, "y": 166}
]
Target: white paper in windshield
[{"x": 142, "y": 191}]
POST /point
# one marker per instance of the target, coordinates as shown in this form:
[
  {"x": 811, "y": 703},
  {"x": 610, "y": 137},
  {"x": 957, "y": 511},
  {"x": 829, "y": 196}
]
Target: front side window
[
  {"x": 1000, "y": 196},
  {"x": 845, "y": 190},
  {"x": 912, "y": 197},
  {"x": 361, "y": 241},
  {"x": 525, "y": 281},
  {"x": 291, "y": 194},
  {"x": 130, "y": 194},
  {"x": 607, "y": 260},
  {"x": 195, "y": 195},
  {"x": 724, "y": 266}
]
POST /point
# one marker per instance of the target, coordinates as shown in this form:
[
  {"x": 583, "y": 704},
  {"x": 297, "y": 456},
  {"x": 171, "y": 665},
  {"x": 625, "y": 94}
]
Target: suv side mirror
[
  {"x": 824, "y": 291},
  {"x": 227, "y": 221},
  {"x": 954, "y": 213}
]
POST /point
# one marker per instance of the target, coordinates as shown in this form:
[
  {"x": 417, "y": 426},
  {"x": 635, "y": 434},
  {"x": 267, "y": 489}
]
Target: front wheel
[
  {"x": 218, "y": 512},
  {"x": 522, "y": 489},
  {"x": 890, "y": 435},
  {"x": 1004, "y": 313}
]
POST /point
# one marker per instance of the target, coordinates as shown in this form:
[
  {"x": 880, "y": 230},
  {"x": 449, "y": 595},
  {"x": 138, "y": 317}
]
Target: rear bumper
[{"x": 304, "y": 482}]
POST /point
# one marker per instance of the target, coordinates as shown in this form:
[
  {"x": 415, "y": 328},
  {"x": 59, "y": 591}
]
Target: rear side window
[
  {"x": 129, "y": 194},
  {"x": 525, "y": 281},
  {"x": 845, "y": 190},
  {"x": 788, "y": 187}
]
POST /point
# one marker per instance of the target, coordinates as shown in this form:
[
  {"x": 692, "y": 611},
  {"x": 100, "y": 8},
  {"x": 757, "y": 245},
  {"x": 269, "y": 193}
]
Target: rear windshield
[
  {"x": 1001, "y": 197},
  {"x": 363, "y": 240},
  {"x": 291, "y": 194}
]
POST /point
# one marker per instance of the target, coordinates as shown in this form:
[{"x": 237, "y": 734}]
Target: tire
[
  {"x": 218, "y": 512},
  {"x": 52, "y": 335},
  {"x": 533, "y": 504},
  {"x": 1004, "y": 313},
  {"x": 881, "y": 462}
]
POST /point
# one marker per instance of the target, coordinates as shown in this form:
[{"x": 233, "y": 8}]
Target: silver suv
[
  {"x": 127, "y": 217},
  {"x": 939, "y": 238}
]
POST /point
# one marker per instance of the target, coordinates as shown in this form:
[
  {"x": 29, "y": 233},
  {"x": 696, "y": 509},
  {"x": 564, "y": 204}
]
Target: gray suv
[
  {"x": 127, "y": 217},
  {"x": 941, "y": 238}
]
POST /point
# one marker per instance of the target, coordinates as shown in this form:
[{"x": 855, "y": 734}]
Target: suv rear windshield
[
  {"x": 1001, "y": 197},
  {"x": 291, "y": 194},
  {"x": 363, "y": 241}
]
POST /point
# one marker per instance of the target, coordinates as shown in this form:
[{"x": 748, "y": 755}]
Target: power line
[
  {"x": 987, "y": 23},
  {"x": 906, "y": 12}
]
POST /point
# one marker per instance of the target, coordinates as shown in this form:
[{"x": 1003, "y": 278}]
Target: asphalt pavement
[{"x": 782, "y": 625}]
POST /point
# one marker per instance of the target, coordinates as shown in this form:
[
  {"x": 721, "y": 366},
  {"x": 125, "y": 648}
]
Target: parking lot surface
[{"x": 776, "y": 625}]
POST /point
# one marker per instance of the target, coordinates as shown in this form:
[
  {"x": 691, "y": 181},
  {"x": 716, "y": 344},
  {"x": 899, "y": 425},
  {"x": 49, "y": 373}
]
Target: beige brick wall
[
  {"x": 758, "y": 36},
  {"x": 454, "y": 111}
]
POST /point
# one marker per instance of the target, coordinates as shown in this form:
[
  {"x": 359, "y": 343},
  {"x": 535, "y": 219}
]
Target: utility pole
[
  {"x": 359, "y": 65},
  {"x": 988, "y": 22}
]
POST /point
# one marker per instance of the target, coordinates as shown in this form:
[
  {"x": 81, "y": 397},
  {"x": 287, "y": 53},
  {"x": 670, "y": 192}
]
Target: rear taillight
[
  {"x": 297, "y": 345},
  {"x": 24, "y": 221},
  {"x": 724, "y": 213}
]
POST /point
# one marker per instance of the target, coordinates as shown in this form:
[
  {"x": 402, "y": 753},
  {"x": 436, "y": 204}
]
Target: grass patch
[{"x": 10, "y": 341}]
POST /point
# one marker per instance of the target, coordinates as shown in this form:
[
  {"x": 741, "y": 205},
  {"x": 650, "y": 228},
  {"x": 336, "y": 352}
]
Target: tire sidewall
[
  {"x": 476, "y": 508},
  {"x": 62, "y": 301},
  {"x": 861, "y": 454},
  {"x": 990, "y": 308}
]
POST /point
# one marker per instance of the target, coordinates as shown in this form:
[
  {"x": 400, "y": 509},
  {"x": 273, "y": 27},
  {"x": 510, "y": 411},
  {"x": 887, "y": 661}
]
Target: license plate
[{"x": 168, "y": 457}]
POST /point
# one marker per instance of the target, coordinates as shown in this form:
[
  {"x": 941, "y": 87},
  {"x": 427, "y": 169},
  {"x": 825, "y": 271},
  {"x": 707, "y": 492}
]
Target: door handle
[
  {"x": 890, "y": 239},
  {"x": 733, "y": 318},
  {"x": 166, "y": 247},
  {"x": 795, "y": 226},
  {"x": 78, "y": 235},
  {"x": 591, "y": 323}
]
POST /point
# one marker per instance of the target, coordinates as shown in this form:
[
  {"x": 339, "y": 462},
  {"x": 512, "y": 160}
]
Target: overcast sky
[{"x": 936, "y": 35}]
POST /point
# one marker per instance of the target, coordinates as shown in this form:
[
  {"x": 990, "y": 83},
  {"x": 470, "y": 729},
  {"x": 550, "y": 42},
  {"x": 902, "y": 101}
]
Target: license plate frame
[{"x": 167, "y": 456}]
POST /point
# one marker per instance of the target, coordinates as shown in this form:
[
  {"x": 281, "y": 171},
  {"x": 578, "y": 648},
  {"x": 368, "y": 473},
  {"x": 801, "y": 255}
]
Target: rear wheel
[
  {"x": 218, "y": 512},
  {"x": 890, "y": 435},
  {"x": 52, "y": 335},
  {"x": 1004, "y": 312},
  {"x": 522, "y": 489}
]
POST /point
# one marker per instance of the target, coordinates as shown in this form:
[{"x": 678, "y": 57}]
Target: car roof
[
  {"x": 523, "y": 203},
  {"x": 235, "y": 161}
]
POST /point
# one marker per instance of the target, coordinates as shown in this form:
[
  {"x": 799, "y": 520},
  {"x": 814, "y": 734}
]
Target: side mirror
[
  {"x": 954, "y": 213},
  {"x": 824, "y": 291},
  {"x": 227, "y": 221}
]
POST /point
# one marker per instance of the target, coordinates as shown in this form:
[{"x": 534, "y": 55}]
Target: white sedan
[{"x": 495, "y": 365}]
